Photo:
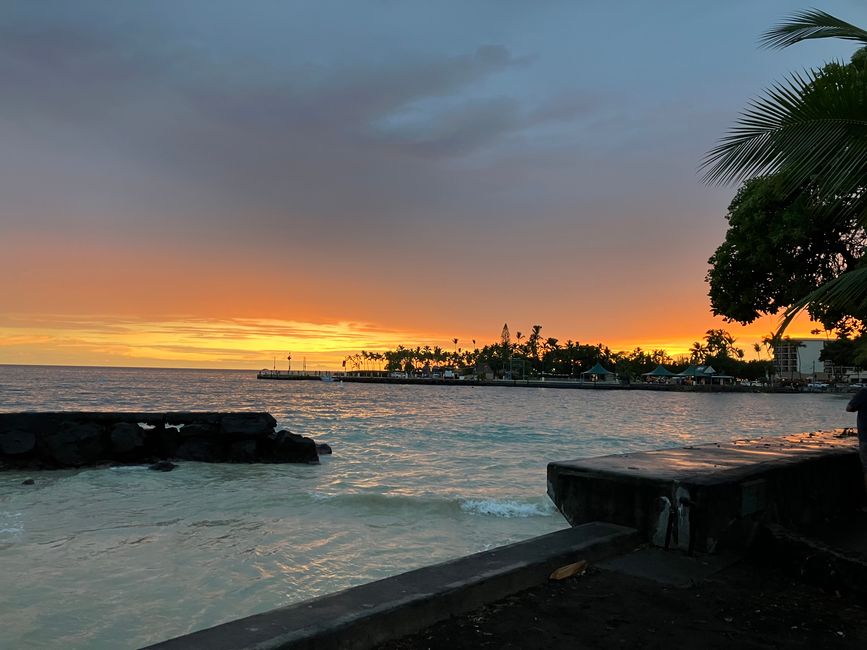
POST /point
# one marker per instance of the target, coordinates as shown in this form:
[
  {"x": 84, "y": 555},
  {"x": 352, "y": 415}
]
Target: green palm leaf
[
  {"x": 811, "y": 24},
  {"x": 810, "y": 129},
  {"x": 846, "y": 293}
]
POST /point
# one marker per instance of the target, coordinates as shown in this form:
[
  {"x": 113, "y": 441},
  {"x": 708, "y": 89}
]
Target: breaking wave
[
  {"x": 384, "y": 503},
  {"x": 507, "y": 508}
]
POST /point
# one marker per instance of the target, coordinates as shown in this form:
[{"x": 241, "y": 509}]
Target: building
[
  {"x": 703, "y": 375},
  {"x": 798, "y": 359}
]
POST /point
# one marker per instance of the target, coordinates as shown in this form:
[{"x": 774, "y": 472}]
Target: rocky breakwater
[{"x": 77, "y": 439}]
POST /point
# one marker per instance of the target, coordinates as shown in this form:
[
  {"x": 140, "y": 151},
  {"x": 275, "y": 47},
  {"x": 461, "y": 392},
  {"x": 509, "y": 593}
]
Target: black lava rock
[
  {"x": 17, "y": 442},
  {"x": 287, "y": 447},
  {"x": 75, "y": 444},
  {"x": 162, "y": 466},
  {"x": 247, "y": 424},
  {"x": 243, "y": 451},
  {"x": 205, "y": 450},
  {"x": 127, "y": 438}
]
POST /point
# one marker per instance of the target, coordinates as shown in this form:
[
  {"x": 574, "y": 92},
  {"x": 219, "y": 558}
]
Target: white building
[{"x": 799, "y": 359}]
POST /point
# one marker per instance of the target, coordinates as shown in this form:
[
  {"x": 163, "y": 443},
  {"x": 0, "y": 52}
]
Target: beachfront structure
[
  {"x": 797, "y": 359},
  {"x": 658, "y": 374},
  {"x": 703, "y": 375},
  {"x": 598, "y": 374}
]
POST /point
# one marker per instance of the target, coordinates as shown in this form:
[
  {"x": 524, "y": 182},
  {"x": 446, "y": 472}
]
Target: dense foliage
[
  {"x": 536, "y": 356},
  {"x": 796, "y": 229},
  {"x": 778, "y": 248}
]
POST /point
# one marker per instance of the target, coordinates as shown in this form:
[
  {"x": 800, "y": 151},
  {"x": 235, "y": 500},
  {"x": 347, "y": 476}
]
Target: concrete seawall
[
  {"x": 80, "y": 438},
  {"x": 363, "y": 616},
  {"x": 698, "y": 497}
]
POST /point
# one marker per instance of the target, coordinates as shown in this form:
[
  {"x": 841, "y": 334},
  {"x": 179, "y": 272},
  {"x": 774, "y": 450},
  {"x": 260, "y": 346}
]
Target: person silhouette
[{"x": 858, "y": 404}]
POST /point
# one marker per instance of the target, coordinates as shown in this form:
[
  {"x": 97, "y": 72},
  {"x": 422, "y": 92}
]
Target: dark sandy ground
[{"x": 747, "y": 605}]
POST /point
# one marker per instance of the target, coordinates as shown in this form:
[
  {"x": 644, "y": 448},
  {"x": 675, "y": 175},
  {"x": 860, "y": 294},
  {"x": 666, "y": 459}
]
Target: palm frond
[
  {"x": 846, "y": 293},
  {"x": 811, "y": 129},
  {"x": 811, "y": 24}
]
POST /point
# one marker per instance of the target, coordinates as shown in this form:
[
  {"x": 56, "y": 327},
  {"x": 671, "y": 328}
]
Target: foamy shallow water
[{"x": 121, "y": 557}]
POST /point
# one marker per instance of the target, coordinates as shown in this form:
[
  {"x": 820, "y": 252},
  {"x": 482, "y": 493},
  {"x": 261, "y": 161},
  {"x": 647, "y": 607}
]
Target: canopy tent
[
  {"x": 704, "y": 374},
  {"x": 697, "y": 371},
  {"x": 659, "y": 371},
  {"x": 598, "y": 373}
]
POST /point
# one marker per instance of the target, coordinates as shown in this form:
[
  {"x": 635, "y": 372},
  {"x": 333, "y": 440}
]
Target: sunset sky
[{"x": 213, "y": 184}]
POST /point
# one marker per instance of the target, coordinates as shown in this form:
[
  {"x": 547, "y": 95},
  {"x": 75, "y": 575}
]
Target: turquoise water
[{"x": 117, "y": 558}]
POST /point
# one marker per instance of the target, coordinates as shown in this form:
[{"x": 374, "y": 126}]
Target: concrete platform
[
  {"x": 699, "y": 497},
  {"x": 669, "y": 567},
  {"x": 369, "y": 614}
]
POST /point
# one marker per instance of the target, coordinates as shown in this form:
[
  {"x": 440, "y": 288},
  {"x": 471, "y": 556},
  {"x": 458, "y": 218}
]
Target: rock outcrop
[{"x": 78, "y": 439}]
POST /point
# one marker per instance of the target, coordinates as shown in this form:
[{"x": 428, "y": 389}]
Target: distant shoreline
[{"x": 548, "y": 383}]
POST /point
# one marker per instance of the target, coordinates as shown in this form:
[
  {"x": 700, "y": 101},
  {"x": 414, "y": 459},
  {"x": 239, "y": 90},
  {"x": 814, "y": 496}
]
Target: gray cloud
[
  {"x": 151, "y": 126},
  {"x": 278, "y": 147},
  {"x": 283, "y": 142}
]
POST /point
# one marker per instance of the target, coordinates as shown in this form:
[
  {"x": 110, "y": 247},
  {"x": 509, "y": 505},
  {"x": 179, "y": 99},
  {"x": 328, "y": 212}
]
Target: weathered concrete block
[{"x": 699, "y": 497}]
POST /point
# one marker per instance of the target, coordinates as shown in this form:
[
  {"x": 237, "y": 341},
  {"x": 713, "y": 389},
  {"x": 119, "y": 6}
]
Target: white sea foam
[
  {"x": 505, "y": 508},
  {"x": 11, "y": 524}
]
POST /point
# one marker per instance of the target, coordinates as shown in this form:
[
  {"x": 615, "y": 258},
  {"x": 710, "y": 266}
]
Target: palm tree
[
  {"x": 812, "y": 130},
  {"x": 698, "y": 353}
]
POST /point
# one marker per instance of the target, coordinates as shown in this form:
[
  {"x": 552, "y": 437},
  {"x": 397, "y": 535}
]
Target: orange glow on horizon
[{"x": 254, "y": 344}]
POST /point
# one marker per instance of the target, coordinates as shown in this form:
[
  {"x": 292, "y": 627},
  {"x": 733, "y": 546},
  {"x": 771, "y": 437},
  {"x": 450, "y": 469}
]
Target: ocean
[{"x": 122, "y": 557}]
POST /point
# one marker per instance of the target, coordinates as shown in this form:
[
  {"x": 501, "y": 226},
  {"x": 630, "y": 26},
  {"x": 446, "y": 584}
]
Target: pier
[{"x": 362, "y": 377}]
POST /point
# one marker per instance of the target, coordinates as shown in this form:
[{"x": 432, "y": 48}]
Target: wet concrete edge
[{"x": 369, "y": 614}]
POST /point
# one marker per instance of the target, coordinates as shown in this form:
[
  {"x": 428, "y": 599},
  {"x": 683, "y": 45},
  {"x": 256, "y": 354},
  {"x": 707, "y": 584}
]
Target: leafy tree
[
  {"x": 845, "y": 351},
  {"x": 506, "y": 339},
  {"x": 778, "y": 248},
  {"x": 720, "y": 343},
  {"x": 698, "y": 353},
  {"x": 810, "y": 131}
]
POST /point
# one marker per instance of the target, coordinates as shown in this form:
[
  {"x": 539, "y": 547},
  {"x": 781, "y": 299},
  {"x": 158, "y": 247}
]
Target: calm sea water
[{"x": 121, "y": 557}]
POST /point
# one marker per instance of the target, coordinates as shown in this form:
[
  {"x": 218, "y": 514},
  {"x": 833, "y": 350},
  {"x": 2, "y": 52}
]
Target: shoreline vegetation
[{"x": 533, "y": 357}]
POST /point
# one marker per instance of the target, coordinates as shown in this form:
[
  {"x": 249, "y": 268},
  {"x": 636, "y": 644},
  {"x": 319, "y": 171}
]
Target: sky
[{"x": 217, "y": 184}]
